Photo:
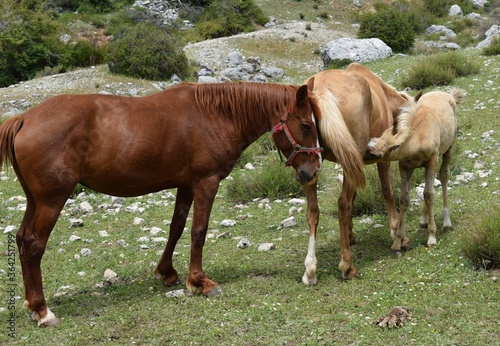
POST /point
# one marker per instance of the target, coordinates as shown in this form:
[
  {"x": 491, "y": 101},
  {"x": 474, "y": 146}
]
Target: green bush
[
  {"x": 271, "y": 180},
  {"x": 439, "y": 69},
  {"x": 146, "y": 51},
  {"x": 229, "y": 17},
  {"x": 28, "y": 43},
  {"x": 82, "y": 54},
  {"x": 494, "y": 48},
  {"x": 388, "y": 23},
  {"x": 481, "y": 244}
]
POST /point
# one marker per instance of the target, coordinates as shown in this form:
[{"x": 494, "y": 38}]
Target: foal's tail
[
  {"x": 337, "y": 137},
  {"x": 8, "y": 131},
  {"x": 458, "y": 95}
]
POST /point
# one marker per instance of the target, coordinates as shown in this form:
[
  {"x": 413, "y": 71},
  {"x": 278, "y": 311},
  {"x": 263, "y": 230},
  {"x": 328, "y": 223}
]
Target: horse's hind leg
[
  {"x": 309, "y": 277},
  {"x": 430, "y": 173},
  {"x": 165, "y": 269},
  {"x": 444, "y": 177},
  {"x": 345, "y": 222},
  {"x": 32, "y": 240}
]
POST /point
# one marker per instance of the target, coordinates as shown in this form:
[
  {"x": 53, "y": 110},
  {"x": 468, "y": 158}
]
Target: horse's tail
[
  {"x": 8, "y": 131},
  {"x": 458, "y": 95},
  {"x": 337, "y": 137}
]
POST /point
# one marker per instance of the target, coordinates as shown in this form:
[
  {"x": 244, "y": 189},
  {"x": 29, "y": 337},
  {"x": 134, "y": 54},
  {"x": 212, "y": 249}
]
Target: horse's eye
[{"x": 305, "y": 126}]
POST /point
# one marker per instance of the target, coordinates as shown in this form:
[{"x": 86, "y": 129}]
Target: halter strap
[{"x": 297, "y": 148}]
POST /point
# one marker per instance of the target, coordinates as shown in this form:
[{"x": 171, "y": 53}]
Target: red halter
[{"x": 297, "y": 148}]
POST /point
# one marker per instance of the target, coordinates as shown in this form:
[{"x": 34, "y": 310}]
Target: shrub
[
  {"x": 28, "y": 43},
  {"x": 395, "y": 28},
  {"x": 146, "y": 51},
  {"x": 439, "y": 69},
  {"x": 82, "y": 54},
  {"x": 271, "y": 180},
  {"x": 493, "y": 48},
  {"x": 481, "y": 244},
  {"x": 229, "y": 17}
]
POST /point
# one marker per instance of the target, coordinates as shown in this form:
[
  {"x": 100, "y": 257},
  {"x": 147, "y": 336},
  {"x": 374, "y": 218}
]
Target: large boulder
[
  {"x": 492, "y": 32},
  {"x": 355, "y": 50},
  {"x": 441, "y": 30},
  {"x": 455, "y": 10}
]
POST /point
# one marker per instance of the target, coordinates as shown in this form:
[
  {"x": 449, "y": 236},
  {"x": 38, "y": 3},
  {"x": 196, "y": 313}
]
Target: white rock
[
  {"x": 159, "y": 240},
  {"x": 110, "y": 276},
  {"x": 244, "y": 243},
  {"x": 289, "y": 222},
  {"x": 297, "y": 201},
  {"x": 176, "y": 293},
  {"x": 10, "y": 229},
  {"x": 155, "y": 230},
  {"x": 138, "y": 220},
  {"x": 86, "y": 207},
  {"x": 85, "y": 252},
  {"x": 266, "y": 246},
  {"x": 292, "y": 211},
  {"x": 249, "y": 166},
  {"x": 103, "y": 234},
  {"x": 228, "y": 223},
  {"x": 73, "y": 238},
  {"x": 143, "y": 240},
  {"x": 75, "y": 222}
]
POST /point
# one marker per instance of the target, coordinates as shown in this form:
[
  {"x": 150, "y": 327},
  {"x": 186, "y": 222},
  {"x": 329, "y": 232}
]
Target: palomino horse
[
  {"x": 425, "y": 131},
  {"x": 188, "y": 137},
  {"x": 355, "y": 105}
]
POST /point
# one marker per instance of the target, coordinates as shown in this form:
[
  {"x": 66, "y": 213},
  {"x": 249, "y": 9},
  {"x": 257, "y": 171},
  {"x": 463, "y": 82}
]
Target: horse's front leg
[
  {"x": 346, "y": 234},
  {"x": 444, "y": 177},
  {"x": 405, "y": 171},
  {"x": 311, "y": 192},
  {"x": 204, "y": 194},
  {"x": 384, "y": 175},
  {"x": 430, "y": 173},
  {"x": 165, "y": 269}
]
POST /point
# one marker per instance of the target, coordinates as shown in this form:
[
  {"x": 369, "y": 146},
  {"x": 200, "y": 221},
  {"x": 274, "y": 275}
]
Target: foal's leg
[
  {"x": 405, "y": 171},
  {"x": 32, "y": 240},
  {"x": 345, "y": 221},
  {"x": 430, "y": 173},
  {"x": 165, "y": 269},
  {"x": 384, "y": 170},
  {"x": 204, "y": 193},
  {"x": 444, "y": 177},
  {"x": 311, "y": 192}
]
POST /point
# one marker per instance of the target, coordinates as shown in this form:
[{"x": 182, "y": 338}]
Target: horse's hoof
[
  {"x": 350, "y": 273},
  {"x": 396, "y": 253},
  {"x": 408, "y": 246},
  {"x": 447, "y": 228},
  {"x": 309, "y": 281},
  {"x": 168, "y": 281},
  {"x": 214, "y": 292},
  {"x": 424, "y": 225},
  {"x": 50, "y": 320}
]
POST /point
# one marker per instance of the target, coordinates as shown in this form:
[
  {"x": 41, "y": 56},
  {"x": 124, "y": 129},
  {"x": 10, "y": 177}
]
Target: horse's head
[{"x": 297, "y": 138}]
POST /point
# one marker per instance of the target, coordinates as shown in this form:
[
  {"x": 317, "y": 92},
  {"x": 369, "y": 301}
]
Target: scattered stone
[
  {"x": 297, "y": 201},
  {"x": 74, "y": 238},
  {"x": 85, "y": 252},
  {"x": 228, "y": 223},
  {"x": 103, "y": 234},
  {"x": 224, "y": 235},
  {"x": 143, "y": 240},
  {"x": 441, "y": 30},
  {"x": 492, "y": 32},
  {"x": 455, "y": 10},
  {"x": 244, "y": 243},
  {"x": 293, "y": 210},
  {"x": 143, "y": 247},
  {"x": 10, "y": 229},
  {"x": 86, "y": 207},
  {"x": 110, "y": 277},
  {"x": 249, "y": 166},
  {"x": 289, "y": 222},
  {"x": 138, "y": 220},
  {"x": 355, "y": 50},
  {"x": 176, "y": 293},
  {"x": 76, "y": 222},
  {"x": 266, "y": 246},
  {"x": 159, "y": 240}
]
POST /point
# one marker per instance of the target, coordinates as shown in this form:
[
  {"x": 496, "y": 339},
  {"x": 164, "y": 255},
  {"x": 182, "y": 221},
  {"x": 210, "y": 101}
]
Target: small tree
[
  {"x": 146, "y": 51},
  {"x": 395, "y": 28}
]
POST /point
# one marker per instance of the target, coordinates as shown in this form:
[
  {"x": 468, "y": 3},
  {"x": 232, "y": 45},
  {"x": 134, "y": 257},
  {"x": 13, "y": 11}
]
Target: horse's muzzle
[{"x": 304, "y": 177}]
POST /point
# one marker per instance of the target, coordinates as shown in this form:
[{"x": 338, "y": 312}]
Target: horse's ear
[
  {"x": 301, "y": 95},
  {"x": 310, "y": 84},
  {"x": 419, "y": 95}
]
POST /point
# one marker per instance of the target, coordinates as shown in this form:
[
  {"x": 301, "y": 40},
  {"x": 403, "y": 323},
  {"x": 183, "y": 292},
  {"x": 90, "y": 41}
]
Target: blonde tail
[{"x": 337, "y": 137}]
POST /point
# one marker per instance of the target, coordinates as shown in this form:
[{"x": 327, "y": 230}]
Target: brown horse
[
  {"x": 188, "y": 136},
  {"x": 355, "y": 105},
  {"x": 425, "y": 131}
]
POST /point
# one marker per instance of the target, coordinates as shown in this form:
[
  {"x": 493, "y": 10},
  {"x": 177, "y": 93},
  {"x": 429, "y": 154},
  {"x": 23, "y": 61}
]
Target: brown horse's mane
[{"x": 244, "y": 102}]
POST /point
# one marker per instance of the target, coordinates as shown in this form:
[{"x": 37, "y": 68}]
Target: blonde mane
[{"x": 337, "y": 137}]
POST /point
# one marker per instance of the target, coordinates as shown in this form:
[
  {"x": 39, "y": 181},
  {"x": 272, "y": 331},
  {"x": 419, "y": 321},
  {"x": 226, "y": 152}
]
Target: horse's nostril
[{"x": 303, "y": 177}]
